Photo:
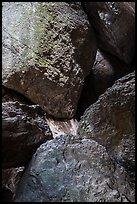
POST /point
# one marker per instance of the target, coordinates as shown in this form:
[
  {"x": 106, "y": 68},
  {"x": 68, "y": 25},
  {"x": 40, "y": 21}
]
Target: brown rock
[
  {"x": 114, "y": 23},
  {"x": 110, "y": 121},
  {"x": 48, "y": 50},
  {"x": 23, "y": 130}
]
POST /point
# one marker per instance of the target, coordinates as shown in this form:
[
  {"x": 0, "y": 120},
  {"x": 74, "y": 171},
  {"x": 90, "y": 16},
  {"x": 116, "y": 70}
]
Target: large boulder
[
  {"x": 114, "y": 23},
  {"x": 48, "y": 49},
  {"x": 69, "y": 170},
  {"x": 111, "y": 121},
  {"x": 24, "y": 128}
]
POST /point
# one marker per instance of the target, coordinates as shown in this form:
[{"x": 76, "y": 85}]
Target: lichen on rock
[{"x": 43, "y": 47}]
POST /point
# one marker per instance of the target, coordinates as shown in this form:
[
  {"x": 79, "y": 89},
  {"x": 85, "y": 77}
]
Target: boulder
[
  {"x": 111, "y": 122},
  {"x": 67, "y": 169},
  {"x": 24, "y": 128},
  {"x": 48, "y": 50},
  {"x": 114, "y": 23}
]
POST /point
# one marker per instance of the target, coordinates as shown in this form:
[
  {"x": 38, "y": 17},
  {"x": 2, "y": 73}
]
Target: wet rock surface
[
  {"x": 114, "y": 24},
  {"x": 24, "y": 128},
  {"x": 48, "y": 50},
  {"x": 111, "y": 121},
  {"x": 66, "y": 169}
]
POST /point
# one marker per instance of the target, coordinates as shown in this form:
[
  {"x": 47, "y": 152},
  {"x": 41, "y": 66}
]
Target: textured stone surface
[
  {"x": 106, "y": 70},
  {"x": 24, "y": 128},
  {"x": 10, "y": 179},
  {"x": 114, "y": 23},
  {"x": 48, "y": 49},
  {"x": 111, "y": 121},
  {"x": 69, "y": 170}
]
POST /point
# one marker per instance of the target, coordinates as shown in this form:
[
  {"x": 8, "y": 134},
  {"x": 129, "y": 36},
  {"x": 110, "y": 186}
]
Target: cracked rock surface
[{"x": 67, "y": 169}]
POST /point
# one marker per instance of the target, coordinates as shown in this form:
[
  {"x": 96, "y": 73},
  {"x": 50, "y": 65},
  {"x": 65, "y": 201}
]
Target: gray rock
[
  {"x": 67, "y": 169},
  {"x": 24, "y": 128},
  {"x": 111, "y": 121},
  {"x": 114, "y": 23},
  {"x": 106, "y": 69},
  {"x": 48, "y": 49}
]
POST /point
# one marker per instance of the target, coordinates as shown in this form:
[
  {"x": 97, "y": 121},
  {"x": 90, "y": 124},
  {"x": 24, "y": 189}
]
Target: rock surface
[
  {"x": 24, "y": 128},
  {"x": 106, "y": 69},
  {"x": 10, "y": 179},
  {"x": 111, "y": 121},
  {"x": 114, "y": 23},
  {"x": 48, "y": 49},
  {"x": 62, "y": 127},
  {"x": 70, "y": 170}
]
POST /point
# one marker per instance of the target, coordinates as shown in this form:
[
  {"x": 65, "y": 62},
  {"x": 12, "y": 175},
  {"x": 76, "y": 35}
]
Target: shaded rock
[
  {"x": 114, "y": 23},
  {"x": 111, "y": 121},
  {"x": 48, "y": 50},
  {"x": 10, "y": 179},
  {"x": 66, "y": 169},
  {"x": 106, "y": 69},
  {"x": 62, "y": 127},
  {"x": 88, "y": 95},
  {"x": 24, "y": 128},
  {"x": 7, "y": 195},
  {"x": 11, "y": 95}
]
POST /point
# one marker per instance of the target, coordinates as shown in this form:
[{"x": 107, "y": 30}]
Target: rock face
[
  {"x": 48, "y": 49},
  {"x": 23, "y": 130},
  {"x": 111, "y": 121},
  {"x": 114, "y": 23},
  {"x": 70, "y": 170},
  {"x": 106, "y": 69}
]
